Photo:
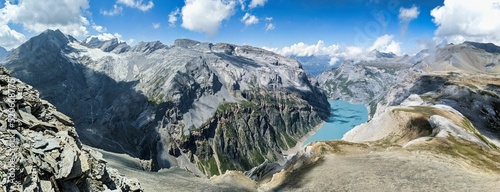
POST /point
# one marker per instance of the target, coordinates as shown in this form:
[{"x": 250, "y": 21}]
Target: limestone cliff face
[
  {"x": 366, "y": 82},
  {"x": 251, "y": 132},
  {"x": 172, "y": 104},
  {"x": 41, "y": 151}
]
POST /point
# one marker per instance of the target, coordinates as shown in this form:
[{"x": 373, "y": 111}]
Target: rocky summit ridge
[
  {"x": 40, "y": 149},
  {"x": 204, "y": 107}
]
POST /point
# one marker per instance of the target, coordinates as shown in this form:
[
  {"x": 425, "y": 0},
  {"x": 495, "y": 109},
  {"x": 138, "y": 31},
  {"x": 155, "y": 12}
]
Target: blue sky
[{"x": 336, "y": 28}]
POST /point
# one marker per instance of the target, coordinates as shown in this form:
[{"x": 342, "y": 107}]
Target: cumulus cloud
[
  {"x": 156, "y": 25},
  {"x": 270, "y": 26},
  {"x": 130, "y": 41},
  {"x": 138, "y": 4},
  {"x": 66, "y": 15},
  {"x": 206, "y": 15},
  {"x": 385, "y": 43},
  {"x": 107, "y": 36},
  {"x": 256, "y": 3},
  {"x": 242, "y": 4},
  {"x": 249, "y": 19},
  {"x": 302, "y": 50},
  {"x": 172, "y": 17},
  {"x": 9, "y": 38},
  {"x": 464, "y": 20},
  {"x": 354, "y": 53},
  {"x": 99, "y": 28},
  {"x": 406, "y": 15},
  {"x": 115, "y": 11}
]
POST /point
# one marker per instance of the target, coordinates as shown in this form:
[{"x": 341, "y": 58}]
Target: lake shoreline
[
  {"x": 341, "y": 111},
  {"x": 300, "y": 142}
]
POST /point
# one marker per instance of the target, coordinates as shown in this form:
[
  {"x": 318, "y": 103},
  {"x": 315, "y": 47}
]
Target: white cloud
[
  {"x": 99, "y": 28},
  {"x": 107, "y": 36},
  {"x": 301, "y": 49},
  {"x": 9, "y": 38},
  {"x": 406, "y": 16},
  {"x": 156, "y": 25},
  {"x": 242, "y": 4},
  {"x": 256, "y": 3},
  {"x": 249, "y": 19},
  {"x": 130, "y": 41},
  {"x": 270, "y": 26},
  {"x": 138, "y": 4},
  {"x": 409, "y": 14},
  {"x": 65, "y": 15},
  {"x": 385, "y": 43},
  {"x": 333, "y": 61},
  {"x": 461, "y": 20},
  {"x": 354, "y": 53},
  {"x": 172, "y": 17},
  {"x": 206, "y": 15},
  {"x": 115, "y": 11},
  {"x": 269, "y": 18}
]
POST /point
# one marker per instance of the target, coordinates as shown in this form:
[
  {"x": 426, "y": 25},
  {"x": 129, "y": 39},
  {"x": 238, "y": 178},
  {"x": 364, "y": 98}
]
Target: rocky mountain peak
[
  {"x": 49, "y": 40},
  {"x": 106, "y": 45},
  {"x": 467, "y": 56},
  {"x": 380, "y": 55},
  {"x": 488, "y": 47},
  {"x": 186, "y": 43},
  {"x": 148, "y": 47}
]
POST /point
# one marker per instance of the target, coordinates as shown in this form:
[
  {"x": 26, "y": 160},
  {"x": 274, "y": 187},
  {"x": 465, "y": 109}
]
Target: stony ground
[
  {"x": 173, "y": 179},
  {"x": 389, "y": 171}
]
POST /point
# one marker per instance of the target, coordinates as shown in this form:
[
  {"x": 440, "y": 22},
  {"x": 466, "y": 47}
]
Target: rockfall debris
[{"x": 40, "y": 149}]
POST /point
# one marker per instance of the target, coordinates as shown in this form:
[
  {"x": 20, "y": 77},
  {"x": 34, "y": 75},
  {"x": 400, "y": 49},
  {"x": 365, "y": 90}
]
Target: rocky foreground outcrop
[{"x": 40, "y": 149}]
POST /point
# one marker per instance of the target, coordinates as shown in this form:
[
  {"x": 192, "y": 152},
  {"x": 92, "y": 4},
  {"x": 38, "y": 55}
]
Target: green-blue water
[{"x": 344, "y": 117}]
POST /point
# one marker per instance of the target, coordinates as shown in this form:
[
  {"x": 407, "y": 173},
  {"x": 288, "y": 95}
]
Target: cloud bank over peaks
[
  {"x": 66, "y": 16},
  {"x": 335, "y": 52},
  {"x": 465, "y": 20}
]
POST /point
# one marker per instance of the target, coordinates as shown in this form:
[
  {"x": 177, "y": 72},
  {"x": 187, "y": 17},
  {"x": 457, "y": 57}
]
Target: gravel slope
[{"x": 389, "y": 171}]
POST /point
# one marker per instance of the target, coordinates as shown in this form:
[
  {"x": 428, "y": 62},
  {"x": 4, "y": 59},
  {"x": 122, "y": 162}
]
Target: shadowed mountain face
[
  {"x": 3, "y": 53},
  {"x": 201, "y": 106},
  {"x": 42, "y": 149}
]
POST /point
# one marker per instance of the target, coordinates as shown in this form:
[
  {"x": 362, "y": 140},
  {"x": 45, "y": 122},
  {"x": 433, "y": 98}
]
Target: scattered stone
[
  {"x": 46, "y": 186},
  {"x": 44, "y": 145}
]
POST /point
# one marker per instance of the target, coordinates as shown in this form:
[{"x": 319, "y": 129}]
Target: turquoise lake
[{"x": 344, "y": 116}]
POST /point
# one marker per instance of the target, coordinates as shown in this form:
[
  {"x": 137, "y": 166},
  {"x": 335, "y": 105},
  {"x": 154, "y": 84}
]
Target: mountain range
[
  {"x": 199, "y": 106},
  {"x": 236, "y": 114}
]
